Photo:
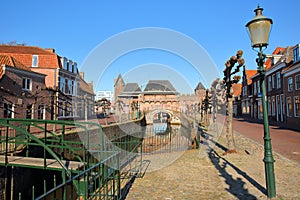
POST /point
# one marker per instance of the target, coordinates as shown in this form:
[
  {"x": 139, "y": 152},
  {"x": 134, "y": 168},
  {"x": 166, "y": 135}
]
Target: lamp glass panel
[{"x": 259, "y": 32}]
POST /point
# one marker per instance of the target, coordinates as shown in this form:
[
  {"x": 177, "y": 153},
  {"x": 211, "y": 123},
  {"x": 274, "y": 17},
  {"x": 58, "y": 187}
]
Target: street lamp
[{"x": 259, "y": 29}]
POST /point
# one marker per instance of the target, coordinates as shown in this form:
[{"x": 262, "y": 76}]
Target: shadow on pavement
[
  {"x": 236, "y": 186},
  {"x": 125, "y": 190}
]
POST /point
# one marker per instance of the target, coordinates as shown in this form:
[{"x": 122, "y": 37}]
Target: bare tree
[
  {"x": 228, "y": 81},
  {"x": 218, "y": 98}
]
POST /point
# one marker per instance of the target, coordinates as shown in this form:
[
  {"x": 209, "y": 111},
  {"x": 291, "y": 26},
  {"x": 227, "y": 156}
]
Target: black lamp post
[{"x": 259, "y": 29}]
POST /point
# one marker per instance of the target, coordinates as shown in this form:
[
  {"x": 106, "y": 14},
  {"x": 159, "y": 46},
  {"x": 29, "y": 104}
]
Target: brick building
[
  {"x": 62, "y": 77},
  {"x": 246, "y": 93},
  {"x": 282, "y": 88},
  {"x": 281, "y": 58},
  {"x": 291, "y": 78},
  {"x": 159, "y": 94},
  {"x": 23, "y": 93}
]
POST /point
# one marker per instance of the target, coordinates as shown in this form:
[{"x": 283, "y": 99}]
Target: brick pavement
[
  {"x": 204, "y": 174},
  {"x": 284, "y": 141}
]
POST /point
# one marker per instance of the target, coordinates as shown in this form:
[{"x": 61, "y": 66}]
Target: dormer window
[
  {"x": 296, "y": 54},
  {"x": 64, "y": 62},
  {"x": 35, "y": 60}
]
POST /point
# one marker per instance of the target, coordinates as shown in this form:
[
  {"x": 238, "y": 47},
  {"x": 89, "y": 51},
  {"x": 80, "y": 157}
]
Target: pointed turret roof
[
  {"x": 119, "y": 80},
  {"x": 200, "y": 86}
]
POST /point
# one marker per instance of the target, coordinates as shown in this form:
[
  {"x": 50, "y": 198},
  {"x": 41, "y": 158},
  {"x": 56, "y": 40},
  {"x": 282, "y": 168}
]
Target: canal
[{"x": 164, "y": 143}]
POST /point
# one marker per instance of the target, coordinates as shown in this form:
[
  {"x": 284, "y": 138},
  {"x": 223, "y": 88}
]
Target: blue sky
[{"x": 76, "y": 29}]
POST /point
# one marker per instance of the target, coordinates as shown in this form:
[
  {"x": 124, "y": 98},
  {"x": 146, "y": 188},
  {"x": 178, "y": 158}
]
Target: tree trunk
[{"x": 229, "y": 132}]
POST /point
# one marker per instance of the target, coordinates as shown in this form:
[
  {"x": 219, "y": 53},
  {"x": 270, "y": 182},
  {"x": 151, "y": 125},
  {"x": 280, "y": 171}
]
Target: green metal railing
[
  {"x": 88, "y": 168},
  {"x": 103, "y": 182}
]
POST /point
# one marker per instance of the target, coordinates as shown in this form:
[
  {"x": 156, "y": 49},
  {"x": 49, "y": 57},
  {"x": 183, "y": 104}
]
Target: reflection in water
[
  {"x": 163, "y": 138},
  {"x": 160, "y": 128}
]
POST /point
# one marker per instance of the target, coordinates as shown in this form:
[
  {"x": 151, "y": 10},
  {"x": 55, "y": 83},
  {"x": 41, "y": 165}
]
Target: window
[
  {"x": 278, "y": 80},
  {"x": 282, "y": 103},
  {"x": 258, "y": 87},
  {"x": 65, "y": 62},
  {"x": 273, "y": 106},
  {"x": 288, "y": 106},
  {"x": 269, "y": 106},
  {"x": 296, "y": 54},
  {"x": 269, "y": 83},
  {"x": 8, "y": 110},
  {"x": 29, "y": 111},
  {"x": 260, "y": 109},
  {"x": 290, "y": 84},
  {"x": 67, "y": 86},
  {"x": 26, "y": 84},
  {"x": 41, "y": 112},
  {"x": 70, "y": 65},
  {"x": 245, "y": 90},
  {"x": 73, "y": 88},
  {"x": 61, "y": 108},
  {"x": 61, "y": 84},
  {"x": 35, "y": 60},
  {"x": 68, "y": 109},
  {"x": 273, "y": 60},
  {"x": 74, "y": 68},
  {"x": 254, "y": 88},
  {"x": 273, "y": 81},
  {"x": 278, "y": 108},
  {"x": 297, "y": 82},
  {"x": 296, "y": 106}
]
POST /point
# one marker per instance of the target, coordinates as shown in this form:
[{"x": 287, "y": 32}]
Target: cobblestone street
[{"x": 209, "y": 174}]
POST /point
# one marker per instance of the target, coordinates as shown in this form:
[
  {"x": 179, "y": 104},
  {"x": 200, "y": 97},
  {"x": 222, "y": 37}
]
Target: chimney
[
  {"x": 81, "y": 74},
  {"x": 51, "y": 50}
]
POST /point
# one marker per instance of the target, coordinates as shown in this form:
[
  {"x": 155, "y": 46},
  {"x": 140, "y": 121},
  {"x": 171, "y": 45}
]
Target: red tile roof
[
  {"x": 46, "y": 58},
  {"x": 249, "y": 74},
  {"x": 12, "y": 62},
  {"x": 237, "y": 89},
  {"x": 277, "y": 51},
  {"x": 24, "y": 50}
]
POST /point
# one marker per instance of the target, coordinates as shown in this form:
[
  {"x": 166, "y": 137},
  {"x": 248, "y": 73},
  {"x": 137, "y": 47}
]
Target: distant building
[
  {"x": 200, "y": 89},
  {"x": 128, "y": 102},
  {"x": 109, "y": 95},
  {"x": 119, "y": 85},
  {"x": 160, "y": 94},
  {"x": 191, "y": 103}
]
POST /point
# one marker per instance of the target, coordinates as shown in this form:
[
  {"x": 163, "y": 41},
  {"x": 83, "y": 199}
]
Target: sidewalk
[{"x": 206, "y": 173}]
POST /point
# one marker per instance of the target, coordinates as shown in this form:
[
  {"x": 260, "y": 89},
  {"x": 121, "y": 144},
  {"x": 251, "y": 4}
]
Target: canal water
[
  {"x": 163, "y": 144},
  {"x": 165, "y": 138}
]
